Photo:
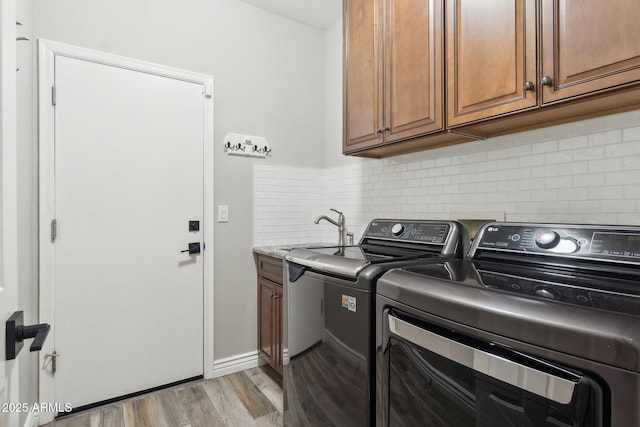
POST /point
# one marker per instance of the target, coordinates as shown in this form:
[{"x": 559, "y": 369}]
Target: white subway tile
[
  {"x": 588, "y": 180},
  {"x": 622, "y": 178},
  {"x": 542, "y": 171},
  {"x": 558, "y": 182},
  {"x": 573, "y": 143},
  {"x": 631, "y": 192},
  {"x": 573, "y": 194},
  {"x": 623, "y": 149},
  {"x": 631, "y": 134},
  {"x": 620, "y": 206},
  {"x": 606, "y": 165},
  {"x": 631, "y": 163},
  {"x": 605, "y": 138},
  {"x": 628, "y": 218},
  {"x": 588, "y": 153},
  {"x": 605, "y": 192},
  {"x": 558, "y": 157},
  {"x": 573, "y": 168},
  {"x": 544, "y": 147}
]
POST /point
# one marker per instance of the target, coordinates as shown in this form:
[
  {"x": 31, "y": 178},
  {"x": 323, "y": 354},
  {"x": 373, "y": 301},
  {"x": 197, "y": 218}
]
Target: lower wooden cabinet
[{"x": 270, "y": 311}]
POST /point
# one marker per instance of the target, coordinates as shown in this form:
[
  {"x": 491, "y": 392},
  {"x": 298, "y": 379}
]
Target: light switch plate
[{"x": 223, "y": 213}]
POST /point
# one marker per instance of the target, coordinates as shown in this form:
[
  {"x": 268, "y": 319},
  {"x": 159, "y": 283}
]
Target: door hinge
[
  {"x": 208, "y": 90},
  {"x": 53, "y": 95},
  {"x": 54, "y": 230},
  {"x": 54, "y": 363}
]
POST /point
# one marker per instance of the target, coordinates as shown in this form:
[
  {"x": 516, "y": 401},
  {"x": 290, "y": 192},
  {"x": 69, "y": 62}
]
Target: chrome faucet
[{"x": 342, "y": 232}]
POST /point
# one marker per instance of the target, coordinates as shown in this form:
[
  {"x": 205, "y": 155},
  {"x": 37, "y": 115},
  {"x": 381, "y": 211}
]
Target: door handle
[
  {"x": 16, "y": 333},
  {"x": 194, "y": 248},
  {"x": 531, "y": 379}
]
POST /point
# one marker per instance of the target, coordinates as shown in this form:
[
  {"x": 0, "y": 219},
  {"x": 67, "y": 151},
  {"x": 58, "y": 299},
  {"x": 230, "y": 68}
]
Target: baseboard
[
  {"x": 32, "y": 420},
  {"x": 237, "y": 363}
]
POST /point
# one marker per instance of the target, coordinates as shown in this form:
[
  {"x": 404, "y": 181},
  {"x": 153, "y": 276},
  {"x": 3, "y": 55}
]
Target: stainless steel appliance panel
[
  {"x": 329, "y": 367},
  {"x": 446, "y": 386}
]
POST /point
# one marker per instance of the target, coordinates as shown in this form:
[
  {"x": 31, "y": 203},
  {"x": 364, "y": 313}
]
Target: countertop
[{"x": 279, "y": 251}]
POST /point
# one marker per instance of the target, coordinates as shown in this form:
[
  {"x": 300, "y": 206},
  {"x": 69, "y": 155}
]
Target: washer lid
[{"x": 343, "y": 260}]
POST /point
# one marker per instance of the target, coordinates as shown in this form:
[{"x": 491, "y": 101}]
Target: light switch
[{"x": 223, "y": 213}]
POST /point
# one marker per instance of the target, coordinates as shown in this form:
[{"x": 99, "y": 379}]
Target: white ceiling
[{"x": 318, "y": 13}]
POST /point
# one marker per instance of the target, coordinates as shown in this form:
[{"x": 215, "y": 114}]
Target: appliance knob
[
  {"x": 397, "y": 229},
  {"x": 547, "y": 239}
]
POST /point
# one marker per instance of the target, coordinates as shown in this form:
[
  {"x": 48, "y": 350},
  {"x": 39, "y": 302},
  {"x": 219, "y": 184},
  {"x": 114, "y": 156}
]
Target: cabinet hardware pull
[
  {"x": 546, "y": 81},
  {"x": 529, "y": 86},
  {"x": 379, "y": 131},
  {"x": 386, "y": 129}
]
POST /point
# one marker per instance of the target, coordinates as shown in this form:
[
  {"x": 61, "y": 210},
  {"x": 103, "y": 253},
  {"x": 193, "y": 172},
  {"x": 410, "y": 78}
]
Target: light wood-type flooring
[{"x": 248, "y": 398}]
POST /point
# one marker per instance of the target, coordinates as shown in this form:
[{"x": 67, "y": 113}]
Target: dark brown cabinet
[
  {"x": 546, "y": 56},
  {"x": 270, "y": 282},
  {"x": 509, "y": 66},
  {"x": 393, "y": 69}
]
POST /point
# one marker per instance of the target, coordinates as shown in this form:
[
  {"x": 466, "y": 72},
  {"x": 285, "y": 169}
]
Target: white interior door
[
  {"x": 9, "y": 382},
  {"x": 128, "y": 304}
]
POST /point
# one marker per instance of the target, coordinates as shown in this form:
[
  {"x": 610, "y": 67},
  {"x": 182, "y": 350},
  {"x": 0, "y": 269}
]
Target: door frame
[
  {"x": 9, "y": 369},
  {"x": 47, "y": 50}
]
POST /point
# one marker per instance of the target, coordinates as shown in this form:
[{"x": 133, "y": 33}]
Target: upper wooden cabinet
[
  {"x": 392, "y": 71},
  {"x": 362, "y": 83},
  {"x": 491, "y": 58},
  {"x": 510, "y": 66},
  {"x": 589, "y": 46},
  {"x": 494, "y": 68}
]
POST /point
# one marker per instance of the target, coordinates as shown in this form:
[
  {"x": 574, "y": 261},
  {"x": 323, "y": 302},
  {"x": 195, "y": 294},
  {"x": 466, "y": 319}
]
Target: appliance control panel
[
  {"x": 431, "y": 232},
  {"x": 567, "y": 240}
]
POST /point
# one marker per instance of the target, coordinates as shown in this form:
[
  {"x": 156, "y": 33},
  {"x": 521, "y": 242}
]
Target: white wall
[
  {"x": 268, "y": 80},
  {"x": 333, "y": 98}
]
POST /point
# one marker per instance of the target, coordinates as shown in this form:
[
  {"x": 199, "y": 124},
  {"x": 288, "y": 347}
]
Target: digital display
[
  {"x": 615, "y": 244},
  {"x": 409, "y": 231},
  {"x": 430, "y": 233}
]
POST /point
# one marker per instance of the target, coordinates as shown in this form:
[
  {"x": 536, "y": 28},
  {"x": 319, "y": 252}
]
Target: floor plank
[
  {"x": 273, "y": 419},
  {"x": 140, "y": 413},
  {"x": 113, "y": 416},
  {"x": 268, "y": 384},
  {"x": 256, "y": 402},
  {"x": 197, "y": 407},
  {"x": 169, "y": 412},
  {"x": 232, "y": 411}
]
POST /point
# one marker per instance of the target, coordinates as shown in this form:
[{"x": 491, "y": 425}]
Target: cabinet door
[
  {"x": 267, "y": 335},
  {"x": 413, "y": 68},
  {"x": 589, "y": 46},
  {"x": 491, "y": 55},
  {"x": 362, "y": 75},
  {"x": 277, "y": 325}
]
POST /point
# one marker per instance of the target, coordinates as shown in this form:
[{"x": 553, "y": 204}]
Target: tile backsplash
[{"x": 583, "y": 172}]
